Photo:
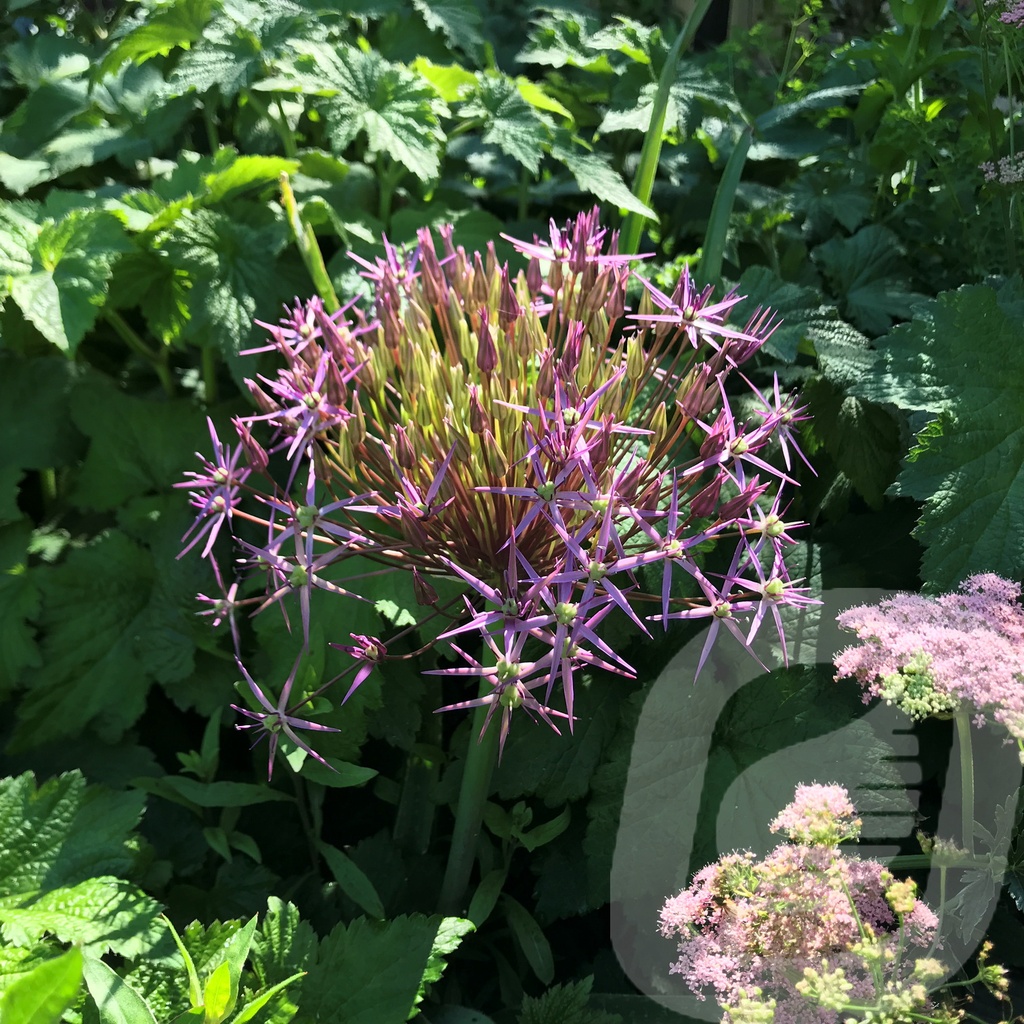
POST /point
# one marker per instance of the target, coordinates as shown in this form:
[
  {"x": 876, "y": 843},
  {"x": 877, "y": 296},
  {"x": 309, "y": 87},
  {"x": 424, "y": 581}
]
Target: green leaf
[
  {"x": 116, "y": 1000},
  {"x": 232, "y": 267},
  {"x": 458, "y": 21},
  {"x": 344, "y": 775},
  {"x": 18, "y": 175},
  {"x": 245, "y": 174},
  {"x": 186, "y": 791},
  {"x": 43, "y": 994},
  {"x": 354, "y": 884},
  {"x": 865, "y": 271},
  {"x": 394, "y": 108},
  {"x": 218, "y": 998},
  {"x": 863, "y": 439},
  {"x": 563, "y": 36},
  {"x": 565, "y": 1004},
  {"x": 962, "y": 359},
  {"x": 511, "y": 124},
  {"x": 57, "y": 271},
  {"x": 235, "y": 955},
  {"x": 94, "y": 605},
  {"x": 174, "y": 26},
  {"x": 596, "y": 177},
  {"x": 19, "y": 605},
  {"x": 530, "y": 938},
  {"x": 369, "y": 972},
  {"x": 450, "y": 934}
]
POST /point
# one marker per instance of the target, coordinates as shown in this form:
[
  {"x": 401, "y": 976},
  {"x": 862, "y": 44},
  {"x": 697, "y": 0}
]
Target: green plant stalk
[
  {"x": 469, "y": 811},
  {"x": 158, "y": 360},
  {"x": 280, "y": 124},
  {"x": 709, "y": 270},
  {"x": 963, "y": 734},
  {"x": 414, "y": 818},
  {"x": 650, "y": 154},
  {"x": 309, "y": 250}
]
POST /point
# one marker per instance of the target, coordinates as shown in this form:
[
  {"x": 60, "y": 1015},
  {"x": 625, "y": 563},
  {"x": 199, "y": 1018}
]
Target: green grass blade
[{"x": 709, "y": 270}]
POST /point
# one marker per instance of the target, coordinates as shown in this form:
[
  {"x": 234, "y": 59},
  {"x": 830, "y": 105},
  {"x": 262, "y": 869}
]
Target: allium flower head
[
  {"x": 529, "y": 435},
  {"x": 929, "y": 656}
]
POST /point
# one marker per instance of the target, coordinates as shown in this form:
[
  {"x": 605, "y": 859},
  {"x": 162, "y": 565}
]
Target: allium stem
[
  {"x": 469, "y": 812},
  {"x": 963, "y": 733}
]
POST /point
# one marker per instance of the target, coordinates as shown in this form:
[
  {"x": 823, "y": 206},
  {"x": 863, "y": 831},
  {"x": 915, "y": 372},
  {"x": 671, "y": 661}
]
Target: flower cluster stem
[
  {"x": 963, "y": 732},
  {"x": 469, "y": 812}
]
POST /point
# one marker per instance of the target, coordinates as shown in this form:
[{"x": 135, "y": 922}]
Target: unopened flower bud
[
  {"x": 486, "y": 353},
  {"x": 404, "y": 455},
  {"x": 425, "y": 594},
  {"x": 479, "y": 421},
  {"x": 635, "y": 362},
  {"x": 703, "y": 504},
  {"x": 509, "y": 309}
]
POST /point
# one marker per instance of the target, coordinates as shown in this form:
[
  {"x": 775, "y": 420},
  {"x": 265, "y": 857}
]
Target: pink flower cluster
[
  {"x": 819, "y": 816},
  {"x": 1008, "y": 170},
  {"x": 929, "y": 655},
  {"x": 805, "y": 912}
]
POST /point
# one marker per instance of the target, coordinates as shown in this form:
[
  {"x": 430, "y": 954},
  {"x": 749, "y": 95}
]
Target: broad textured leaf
[
  {"x": 19, "y": 605},
  {"x": 865, "y": 270},
  {"x": 564, "y": 1004},
  {"x": 100, "y": 914},
  {"x": 563, "y": 36},
  {"x": 369, "y": 972},
  {"x": 174, "y": 26},
  {"x": 962, "y": 358},
  {"x": 794, "y": 303},
  {"x": 596, "y": 177},
  {"x": 232, "y": 267},
  {"x": 559, "y": 769},
  {"x": 42, "y": 995},
  {"x": 458, "y": 21},
  {"x": 283, "y": 945},
  {"x": 94, "y": 606},
  {"x": 510, "y": 123},
  {"x": 136, "y": 447},
  {"x": 396, "y": 110},
  {"x": 57, "y": 271},
  {"x": 18, "y": 175},
  {"x": 60, "y": 846},
  {"x": 863, "y": 439}
]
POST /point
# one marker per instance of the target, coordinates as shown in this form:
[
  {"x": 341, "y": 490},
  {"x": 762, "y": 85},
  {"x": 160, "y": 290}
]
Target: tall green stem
[
  {"x": 650, "y": 153},
  {"x": 158, "y": 359},
  {"x": 963, "y": 734},
  {"x": 469, "y": 812}
]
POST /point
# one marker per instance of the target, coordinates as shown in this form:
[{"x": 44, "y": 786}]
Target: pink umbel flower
[
  {"x": 806, "y": 930},
  {"x": 818, "y": 816},
  {"x": 527, "y": 435},
  {"x": 930, "y": 655}
]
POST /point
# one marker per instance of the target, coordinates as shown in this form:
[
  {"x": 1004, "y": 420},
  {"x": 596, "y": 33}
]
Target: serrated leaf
[
  {"x": 564, "y": 1004},
  {"x": 865, "y": 272},
  {"x": 18, "y": 175},
  {"x": 369, "y": 972},
  {"x": 94, "y": 605},
  {"x": 450, "y": 934},
  {"x": 57, "y": 271},
  {"x": 598, "y": 178},
  {"x": 862, "y": 438},
  {"x": 116, "y": 1001},
  {"x": 397, "y": 111},
  {"x": 174, "y": 26},
  {"x": 232, "y": 267},
  {"x": 458, "y": 21},
  {"x": 510, "y": 123},
  {"x": 563, "y": 36},
  {"x": 43, "y": 994},
  {"x": 962, "y": 357}
]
